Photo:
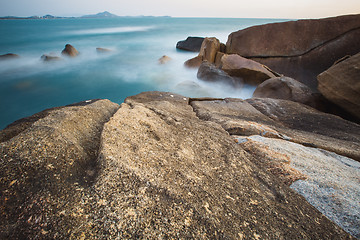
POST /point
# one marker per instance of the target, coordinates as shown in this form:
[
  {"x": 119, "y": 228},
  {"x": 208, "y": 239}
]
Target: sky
[{"x": 184, "y": 8}]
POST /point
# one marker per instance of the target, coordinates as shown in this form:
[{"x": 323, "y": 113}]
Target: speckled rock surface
[
  {"x": 160, "y": 171},
  {"x": 330, "y": 182}
]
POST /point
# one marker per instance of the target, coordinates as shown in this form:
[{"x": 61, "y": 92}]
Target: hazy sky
[{"x": 184, "y": 8}]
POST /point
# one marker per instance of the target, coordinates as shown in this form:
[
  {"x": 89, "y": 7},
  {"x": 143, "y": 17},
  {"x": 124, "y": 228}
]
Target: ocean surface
[{"x": 29, "y": 85}]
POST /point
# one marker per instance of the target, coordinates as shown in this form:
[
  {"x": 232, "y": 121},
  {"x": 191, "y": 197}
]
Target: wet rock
[
  {"x": 341, "y": 84},
  {"x": 8, "y": 56},
  {"x": 302, "y": 58},
  {"x": 250, "y": 71},
  {"x": 103, "y": 50},
  {"x": 192, "y": 44},
  {"x": 208, "y": 72},
  {"x": 70, "y": 51}
]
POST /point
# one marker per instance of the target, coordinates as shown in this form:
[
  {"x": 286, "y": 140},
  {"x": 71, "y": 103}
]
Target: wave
[{"x": 112, "y": 30}]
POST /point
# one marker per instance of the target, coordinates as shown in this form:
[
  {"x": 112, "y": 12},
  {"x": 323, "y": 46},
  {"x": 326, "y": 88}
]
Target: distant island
[{"x": 105, "y": 14}]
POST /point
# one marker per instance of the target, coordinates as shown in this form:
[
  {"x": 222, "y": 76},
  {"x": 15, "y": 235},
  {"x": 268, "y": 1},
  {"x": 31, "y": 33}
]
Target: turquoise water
[{"x": 28, "y": 85}]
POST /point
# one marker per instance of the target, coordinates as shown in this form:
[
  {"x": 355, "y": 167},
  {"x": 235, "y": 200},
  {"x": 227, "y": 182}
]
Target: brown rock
[
  {"x": 70, "y": 51},
  {"x": 209, "y": 48},
  {"x": 301, "y": 58},
  {"x": 286, "y": 88},
  {"x": 341, "y": 84},
  {"x": 164, "y": 59},
  {"x": 209, "y": 72},
  {"x": 194, "y": 62},
  {"x": 250, "y": 71},
  {"x": 103, "y": 50}
]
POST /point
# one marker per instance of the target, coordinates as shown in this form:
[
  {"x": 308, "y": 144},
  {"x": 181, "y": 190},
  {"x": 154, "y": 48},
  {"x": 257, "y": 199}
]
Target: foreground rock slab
[
  {"x": 160, "y": 171},
  {"x": 341, "y": 84}
]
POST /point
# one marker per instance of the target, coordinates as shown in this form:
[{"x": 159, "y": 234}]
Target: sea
[{"x": 29, "y": 85}]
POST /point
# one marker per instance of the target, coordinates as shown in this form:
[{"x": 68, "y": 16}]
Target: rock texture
[
  {"x": 160, "y": 172},
  {"x": 70, "y": 51},
  {"x": 250, "y": 71},
  {"x": 327, "y": 180},
  {"x": 288, "y": 89},
  {"x": 278, "y": 45},
  {"x": 341, "y": 84},
  {"x": 192, "y": 44},
  {"x": 209, "y": 72}
]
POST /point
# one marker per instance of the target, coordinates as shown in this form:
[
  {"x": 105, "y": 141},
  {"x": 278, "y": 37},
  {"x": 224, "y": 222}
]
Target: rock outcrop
[
  {"x": 70, "y": 51},
  {"x": 341, "y": 84},
  {"x": 208, "y": 72},
  {"x": 250, "y": 71},
  {"x": 191, "y": 44},
  {"x": 288, "y": 89},
  {"x": 278, "y": 45},
  {"x": 153, "y": 169}
]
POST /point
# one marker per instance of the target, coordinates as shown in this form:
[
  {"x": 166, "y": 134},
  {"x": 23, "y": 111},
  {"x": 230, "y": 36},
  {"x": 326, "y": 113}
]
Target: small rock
[
  {"x": 103, "y": 50},
  {"x": 70, "y": 51},
  {"x": 164, "y": 59}
]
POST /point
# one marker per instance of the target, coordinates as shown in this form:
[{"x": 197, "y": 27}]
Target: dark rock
[
  {"x": 301, "y": 58},
  {"x": 8, "y": 56},
  {"x": 250, "y": 71},
  {"x": 208, "y": 72},
  {"x": 341, "y": 84},
  {"x": 70, "y": 51},
  {"x": 192, "y": 44},
  {"x": 288, "y": 89}
]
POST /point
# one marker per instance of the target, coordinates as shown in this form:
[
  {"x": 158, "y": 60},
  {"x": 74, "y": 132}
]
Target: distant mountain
[{"x": 105, "y": 14}]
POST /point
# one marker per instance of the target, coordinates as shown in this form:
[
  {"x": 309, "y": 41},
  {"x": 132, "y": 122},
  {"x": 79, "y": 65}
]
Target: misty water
[{"x": 29, "y": 85}]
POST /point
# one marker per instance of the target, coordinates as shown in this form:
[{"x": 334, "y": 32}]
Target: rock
[
  {"x": 250, "y": 71},
  {"x": 208, "y": 72},
  {"x": 70, "y": 51},
  {"x": 47, "y": 162},
  {"x": 288, "y": 89},
  {"x": 50, "y": 58},
  {"x": 301, "y": 58},
  {"x": 341, "y": 84},
  {"x": 277, "y": 118},
  {"x": 194, "y": 62},
  {"x": 164, "y": 59},
  {"x": 160, "y": 170},
  {"x": 103, "y": 50},
  {"x": 326, "y": 179},
  {"x": 8, "y": 56},
  {"x": 209, "y": 48},
  {"x": 192, "y": 44}
]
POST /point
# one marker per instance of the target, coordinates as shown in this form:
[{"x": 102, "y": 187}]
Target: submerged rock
[
  {"x": 103, "y": 50},
  {"x": 70, "y": 51},
  {"x": 192, "y": 44},
  {"x": 164, "y": 59},
  {"x": 154, "y": 168},
  {"x": 278, "y": 45},
  {"x": 50, "y": 58},
  {"x": 8, "y": 56},
  {"x": 341, "y": 84}
]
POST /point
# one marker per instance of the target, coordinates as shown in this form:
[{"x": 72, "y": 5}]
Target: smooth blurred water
[{"x": 29, "y": 85}]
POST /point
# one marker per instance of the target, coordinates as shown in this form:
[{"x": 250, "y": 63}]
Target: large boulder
[
  {"x": 153, "y": 169},
  {"x": 192, "y": 44},
  {"x": 278, "y": 45},
  {"x": 209, "y": 72},
  {"x": 250, "y": 71},
  {"x": 341, "y": 84},
  {"x": 70, "y": 51},
  {"x": 209, "y": 48},
  {"x": 288, "y": 89}
]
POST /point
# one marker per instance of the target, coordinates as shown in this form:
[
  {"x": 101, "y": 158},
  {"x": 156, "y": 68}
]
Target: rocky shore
[{"x": 284, "y": 164}]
